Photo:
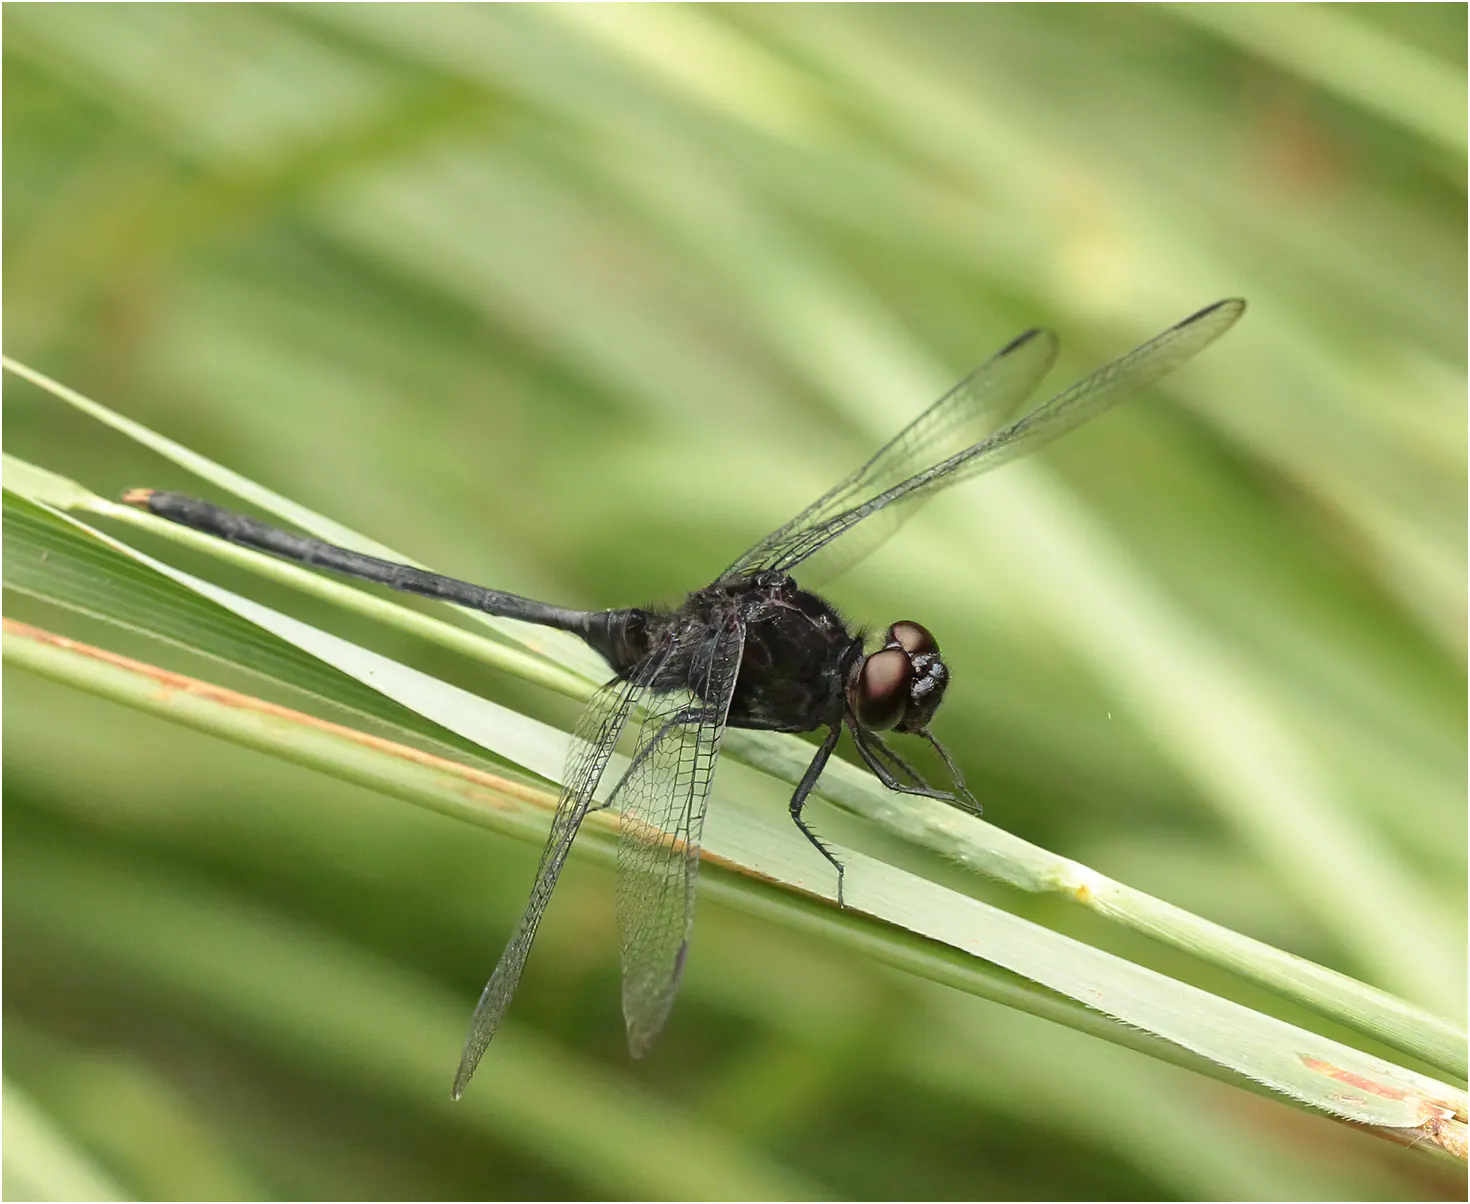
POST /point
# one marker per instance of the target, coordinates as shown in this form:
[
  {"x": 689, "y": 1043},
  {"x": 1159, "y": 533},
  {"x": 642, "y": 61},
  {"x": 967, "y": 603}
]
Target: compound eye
[
  {"x": 912, "y": 638},
  {"x": 882, "y": 690}
]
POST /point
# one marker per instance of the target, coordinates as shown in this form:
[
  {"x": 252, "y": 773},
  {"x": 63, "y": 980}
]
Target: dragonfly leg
[
  {"x": 872, "y": 750},
  {"x": 804, "y": 788},
  {"x": 966, "y": 801},
  {"x": 687, "y": 715}
]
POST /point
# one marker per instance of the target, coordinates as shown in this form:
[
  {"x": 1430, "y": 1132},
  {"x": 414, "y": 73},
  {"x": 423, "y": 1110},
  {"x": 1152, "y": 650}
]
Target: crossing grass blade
[{"x": 1298, "y": 1064}]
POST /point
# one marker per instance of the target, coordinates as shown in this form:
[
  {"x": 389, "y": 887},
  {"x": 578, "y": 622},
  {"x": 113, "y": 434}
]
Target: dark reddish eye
[
  {"x": 912, "y": 638},
  {"x": 882, "y": 690}
]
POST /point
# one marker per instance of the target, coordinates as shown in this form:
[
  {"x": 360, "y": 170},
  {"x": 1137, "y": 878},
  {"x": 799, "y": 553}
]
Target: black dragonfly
[{"x": 753, "y": 649}]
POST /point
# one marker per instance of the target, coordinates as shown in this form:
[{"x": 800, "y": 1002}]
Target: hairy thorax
[{"x": 798, "y": 653}]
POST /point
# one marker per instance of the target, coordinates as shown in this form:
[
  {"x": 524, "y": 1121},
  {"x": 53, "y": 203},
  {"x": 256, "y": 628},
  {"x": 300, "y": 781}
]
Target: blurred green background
[{"x": 579, "y": 302}]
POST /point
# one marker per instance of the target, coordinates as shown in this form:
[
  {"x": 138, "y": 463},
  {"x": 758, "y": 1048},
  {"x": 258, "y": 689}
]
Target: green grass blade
[
  {"x": 51, "y": 489},
  {"x": 321, "y": 998},
  {"x": 41, "y": 1163},
  {"x": 1438, "y": 1041},
  {"x": 1331, "y": 46},
  {"x": 301, "y": 516},
  {"x": 579, "y": 302},
  {"x": 1301, "y": 1065},
  {"x": 58, "y": 560}
]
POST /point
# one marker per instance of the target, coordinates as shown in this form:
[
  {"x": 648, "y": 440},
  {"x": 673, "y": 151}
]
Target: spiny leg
[
  {"x": 954, "y": 772},
  {"x": 804, "y": 788},
  {"x": 872, "y": 749}
]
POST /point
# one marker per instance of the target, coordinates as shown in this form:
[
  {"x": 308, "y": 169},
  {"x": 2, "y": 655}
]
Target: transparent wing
[
  {"x": 1066, "y": 411},
  {"x": 593, "y": 741},
  {"x": 964, "y": 415},
  {"x": 663, "y": 798}
]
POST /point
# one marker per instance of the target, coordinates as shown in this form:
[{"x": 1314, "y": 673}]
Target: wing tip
[
  {"x": 1230, "y": 310},
  {"x": 642, "y": 1037},
  {"x": 462, "y": 1076},
  {"x": 1021, "y": 340},
  {"x": 644, "y": 1024}
]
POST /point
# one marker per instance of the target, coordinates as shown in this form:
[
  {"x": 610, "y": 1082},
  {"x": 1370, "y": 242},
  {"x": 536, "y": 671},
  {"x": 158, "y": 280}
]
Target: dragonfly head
[{"x": 902, "y": 684}]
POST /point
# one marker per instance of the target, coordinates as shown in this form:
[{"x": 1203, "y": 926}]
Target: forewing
[
  {"x": 593, "y": 741},
  {"x": 663, "y": 799},
  {"x": 964, "y": 415},
  {"x": 1065, "y": 412}
]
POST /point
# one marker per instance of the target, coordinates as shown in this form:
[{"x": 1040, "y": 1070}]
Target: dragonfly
[{"x": 753, "y": 649}]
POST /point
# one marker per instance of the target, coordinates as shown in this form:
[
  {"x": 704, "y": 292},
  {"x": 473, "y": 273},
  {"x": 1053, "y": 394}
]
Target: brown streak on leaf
[
  {"x": 169, "y": 684},
  {"x": 1353, "y": 1080},
  {"x": 1443, "y": 1125}
]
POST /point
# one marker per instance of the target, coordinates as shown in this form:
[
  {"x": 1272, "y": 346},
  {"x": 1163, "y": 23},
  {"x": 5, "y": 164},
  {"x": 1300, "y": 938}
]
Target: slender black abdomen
[
  {"x": 798, "y": 653},
  {"x": 304, "y": 549}
]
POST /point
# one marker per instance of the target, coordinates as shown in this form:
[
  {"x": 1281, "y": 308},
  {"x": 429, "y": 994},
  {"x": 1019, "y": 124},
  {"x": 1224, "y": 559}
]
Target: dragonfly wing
[
  {"x": 967, "y": 413},
  {"x": 593, "y": 741},
  {"x": 663, "y": 798},
  {"x": 1094, "y": 395}
]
